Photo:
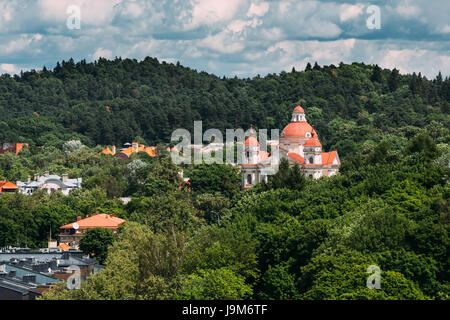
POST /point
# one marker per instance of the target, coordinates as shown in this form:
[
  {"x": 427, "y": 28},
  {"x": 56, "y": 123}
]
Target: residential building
[
  {"x": 50, "y": 183},
  {"x": 7, "y": 187},
  {"x": 25, "y": 274},
  {"x": 12, "y": 147},
  {"x": 72, "y": 233},
  {"x": 12, "y": 288}
]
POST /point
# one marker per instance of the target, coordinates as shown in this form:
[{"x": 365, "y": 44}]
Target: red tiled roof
[
  {"x": 151, "y": 151},
  {"x": 328, "y": 157},
  {"x": 299, "y": 108},
  {"x": 313, "y": 142},
  {"x": 296, "y": 157},
  {"x": 107, "y": 150},
  {"x": 101, "y": 220},
  {"x": 7, "y": 185}
]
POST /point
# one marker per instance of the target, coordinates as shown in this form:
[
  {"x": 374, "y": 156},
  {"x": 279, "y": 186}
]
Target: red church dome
[{"x": 297, "y": 129}]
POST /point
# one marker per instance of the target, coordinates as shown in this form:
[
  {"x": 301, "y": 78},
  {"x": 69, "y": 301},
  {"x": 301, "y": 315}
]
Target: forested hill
[{"x": 112, "y": 102}]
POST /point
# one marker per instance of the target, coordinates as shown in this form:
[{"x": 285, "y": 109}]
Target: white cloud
[
  {"x": 102, "y": 53},
  {"x": 208, "y": 12},
  {"x": 242, "y": 37},
  {"x": 258, "y": 9},
  {"x": 407, "y": 9},
  {"x": 348, "y": 12},
  {"x": 428, "y": 61},
  {"x": 445, "y": 29},
  {"x": 95, "y": 13},
  {"x": 223, "y": 42},
  {"x": 8, "y": 68},
  {"x": 240, "y": 25}
]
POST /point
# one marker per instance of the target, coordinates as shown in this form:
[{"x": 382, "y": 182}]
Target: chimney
[
  {"x": 29, "y": 179},
  {"x": 52, "y": 244},
  {"x": 114, "y": 149},
  {"x": 36, "y": 176},
  {"x": 47, "y": 173},
  {"x": 64, "y": 177}
]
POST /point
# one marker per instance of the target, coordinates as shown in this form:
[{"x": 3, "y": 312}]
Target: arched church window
[
  {"x": 249, "y": 179},
  {"x": 311, "y": 160},
  {"x": 310, "y": 176}
]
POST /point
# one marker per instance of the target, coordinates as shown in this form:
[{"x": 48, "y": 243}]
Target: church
[{"x": 299, "y": 143}]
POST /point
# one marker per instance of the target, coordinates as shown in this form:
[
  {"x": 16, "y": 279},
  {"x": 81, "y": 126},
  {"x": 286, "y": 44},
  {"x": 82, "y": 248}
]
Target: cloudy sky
[{"x": 228, "y": 37}]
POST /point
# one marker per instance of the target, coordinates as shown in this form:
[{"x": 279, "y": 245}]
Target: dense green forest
[
  {"x": 111, "y": 102},
  {"x": 290, "y": 238}
]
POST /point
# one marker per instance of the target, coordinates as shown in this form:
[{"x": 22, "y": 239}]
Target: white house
[{"x": 50, "y": 183}]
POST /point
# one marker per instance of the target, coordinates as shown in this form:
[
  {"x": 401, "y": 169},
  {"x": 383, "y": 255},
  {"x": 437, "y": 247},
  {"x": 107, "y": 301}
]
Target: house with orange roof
[
  {"x": 299, "y": 143},
  {"x": 12, "y": 147},
  {"x": 7, "y": 187},
  {"x": 128, "y": 149},
  {"x": 72, "y": 233}
]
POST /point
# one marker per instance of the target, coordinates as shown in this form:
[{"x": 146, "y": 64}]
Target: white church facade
[{"x": 299, "y": 143}]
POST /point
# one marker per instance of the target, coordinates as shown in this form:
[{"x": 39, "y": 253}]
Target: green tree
[
  {"x": 218, "y": 284},
  {"x": 96, "y": 242},
  {"x": 214, "y": 178}
]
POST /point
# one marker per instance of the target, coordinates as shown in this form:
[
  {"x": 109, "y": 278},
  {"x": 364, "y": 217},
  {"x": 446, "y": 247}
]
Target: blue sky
[{"x": 229, "y": 37}]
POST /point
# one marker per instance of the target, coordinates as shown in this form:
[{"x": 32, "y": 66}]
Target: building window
[
  {"x": 249, "y": 179},
  {"x": 311, "y": 160},
  {"x": 310, "y": 176}
]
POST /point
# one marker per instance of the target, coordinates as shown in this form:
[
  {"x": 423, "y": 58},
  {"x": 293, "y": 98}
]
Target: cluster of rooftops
[
  {"x": 25, "y": 274},
  {"x": 130, "y": 148}
]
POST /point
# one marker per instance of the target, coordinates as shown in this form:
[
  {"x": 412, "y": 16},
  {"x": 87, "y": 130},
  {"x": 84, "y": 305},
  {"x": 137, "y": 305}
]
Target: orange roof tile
[
  {"x": 296, "y": 157},
  {"x": 107, "y": 150},
  {"x": 151, "y": 151},
  {"x": 328, "y": 157},
  {"x": 64, "y": 246},
  {"x": 313, "y": 142},
  {"x": 101, "y": 220},
  {"x": 7, "y": 185}
]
